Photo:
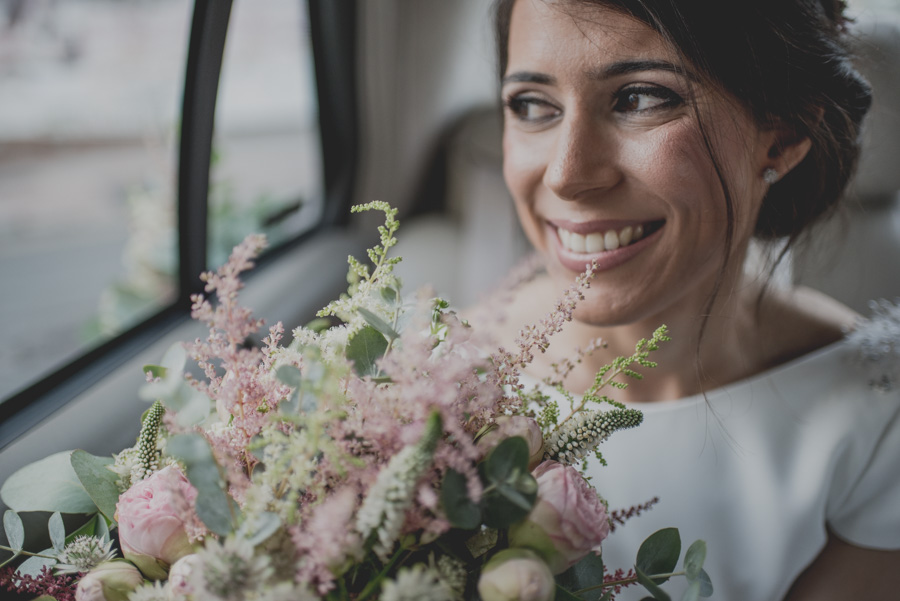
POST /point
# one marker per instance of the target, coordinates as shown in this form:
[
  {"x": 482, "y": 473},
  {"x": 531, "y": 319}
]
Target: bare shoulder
[{"x": 800, "y": 320}]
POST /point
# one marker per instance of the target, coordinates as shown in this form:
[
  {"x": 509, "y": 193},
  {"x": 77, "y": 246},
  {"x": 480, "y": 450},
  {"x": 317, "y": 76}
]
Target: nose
[{"x": 583, "y": 159}]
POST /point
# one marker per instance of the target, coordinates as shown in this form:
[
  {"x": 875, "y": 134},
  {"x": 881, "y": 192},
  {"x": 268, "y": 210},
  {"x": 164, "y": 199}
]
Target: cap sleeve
[{"x": 864, "y": 507}]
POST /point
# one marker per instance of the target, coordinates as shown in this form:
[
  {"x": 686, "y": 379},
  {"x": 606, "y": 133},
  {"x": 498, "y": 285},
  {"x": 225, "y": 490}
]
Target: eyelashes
[{"x": 630, "y": 101}]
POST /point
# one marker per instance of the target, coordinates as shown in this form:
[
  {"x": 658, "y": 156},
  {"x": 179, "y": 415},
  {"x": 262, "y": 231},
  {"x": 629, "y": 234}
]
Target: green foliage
[
  {"x": 98, "y": 481},
  {"x": 190, "y": 405},
  {"x": 49, "y": 484},
  {"x": 364, "y": 349},
  {"x": 214, "y": 507},
  {"x": 14, "y": 529},
  {"x": 461, "y": 511},
  {"x": 583, "y": 575},
  {"x": 659, "y": 553}
]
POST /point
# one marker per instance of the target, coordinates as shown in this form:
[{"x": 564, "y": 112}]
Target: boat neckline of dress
[{"x": 725, "y": 390}]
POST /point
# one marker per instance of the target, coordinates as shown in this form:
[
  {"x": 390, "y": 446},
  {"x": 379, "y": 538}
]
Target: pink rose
[
  {"x": 516, "y": 575},
  {"x": 567, "y": 522},
  {"x": 151, "y": 525},
  {"x": 516, "y": 425},
  {"x": 109, "y": 581}
]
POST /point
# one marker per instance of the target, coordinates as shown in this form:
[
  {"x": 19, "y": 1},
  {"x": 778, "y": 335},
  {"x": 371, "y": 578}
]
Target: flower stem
[
  {"x": 21, "y": 552},
  {"x": 624, "y": 581},
  {"x": 376, "y": 582}
]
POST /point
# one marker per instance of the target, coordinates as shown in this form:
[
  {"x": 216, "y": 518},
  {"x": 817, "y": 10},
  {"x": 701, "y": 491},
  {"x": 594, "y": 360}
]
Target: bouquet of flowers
[{"x": 382, "y": 454}]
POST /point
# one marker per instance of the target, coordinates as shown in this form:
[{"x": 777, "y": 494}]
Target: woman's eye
[
  {"x": 640, "y": 99},
  {"x": 530, "y": 109}
]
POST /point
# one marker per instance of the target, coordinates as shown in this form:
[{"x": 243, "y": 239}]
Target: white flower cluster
[
  {"x": 416, "y": 583},
  {"x": 83, "y": 554},
  {"x": 384, "y": 509},
  {"x": 231, "y": 571},
  {"x": 585, "y": 430}
]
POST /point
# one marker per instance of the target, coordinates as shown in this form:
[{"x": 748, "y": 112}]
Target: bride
[{"x": 656, "y": 138}]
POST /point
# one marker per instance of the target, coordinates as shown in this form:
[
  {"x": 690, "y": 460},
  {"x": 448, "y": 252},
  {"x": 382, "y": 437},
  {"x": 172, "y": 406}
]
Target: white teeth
[
  {"x": 577, "y": 243},
  {"x": 599, "y": 241},
  {"x": 611, "y": 240},
  {"x": 593, "y": 243}
]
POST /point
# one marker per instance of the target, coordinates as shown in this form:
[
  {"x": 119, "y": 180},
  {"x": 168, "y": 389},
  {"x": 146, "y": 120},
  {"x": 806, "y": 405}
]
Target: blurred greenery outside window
[{"x": 91, "y": 94}]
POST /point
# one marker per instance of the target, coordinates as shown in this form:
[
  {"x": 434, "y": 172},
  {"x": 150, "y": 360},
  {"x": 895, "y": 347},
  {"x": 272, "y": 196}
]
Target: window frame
[{"x": 333, "y": 31}]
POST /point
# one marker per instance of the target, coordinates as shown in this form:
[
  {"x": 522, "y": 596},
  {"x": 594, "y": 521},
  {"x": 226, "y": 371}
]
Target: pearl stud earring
[{"x": 770, "y": 176}]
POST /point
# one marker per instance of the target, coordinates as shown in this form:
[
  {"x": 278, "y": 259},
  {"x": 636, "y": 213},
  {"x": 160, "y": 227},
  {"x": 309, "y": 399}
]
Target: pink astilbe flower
[
  {"x": 537, "y": 336},
  {"x": 240, "y": 379},
  {"x": 324, "y": 541}
]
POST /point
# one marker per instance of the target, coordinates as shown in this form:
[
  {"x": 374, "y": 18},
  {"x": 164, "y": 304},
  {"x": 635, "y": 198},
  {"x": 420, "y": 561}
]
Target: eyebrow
[{"x": 612, "y": 70}]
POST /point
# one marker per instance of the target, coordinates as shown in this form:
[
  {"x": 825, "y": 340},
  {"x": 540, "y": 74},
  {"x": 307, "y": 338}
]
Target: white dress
[{"x": 758, "y": 468}]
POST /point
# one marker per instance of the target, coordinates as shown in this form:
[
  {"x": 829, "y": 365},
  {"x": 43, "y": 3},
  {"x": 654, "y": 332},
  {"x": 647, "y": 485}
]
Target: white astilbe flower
[
  {"x": 231, "y": 571},
  {"x": 416, "y": 583},
  {"x": 452, "y": 573},
  {"x": 151, "y": 591},
  {"x": 581, "y": 434},
  {"x": 384, "y": 509},
  {"x": 83, "y": 554},
  {"x": 877, "y": 349}
]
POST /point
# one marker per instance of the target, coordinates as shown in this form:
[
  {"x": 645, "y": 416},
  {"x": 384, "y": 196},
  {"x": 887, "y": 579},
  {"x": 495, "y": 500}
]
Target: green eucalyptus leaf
[
  {"x": 692, "y": 593},
  {"x": 364, "y": 349},
  {"x": 89, "y": 528},
  {"x": 389, "y": 295},
  {"x": 459, "y": 508},
  {"x": 523, "y": 502},
  {"x": 33, "y": 565},
  {"x": 379, "y": 324},
  {"x": 706, "y": 587},
  {"x": 659, "y": 553},
  {"x": 57, "y": 532},
  {"x": 507, "y": 460},
  {"x": 260, "y": 527},
  {"x": 49, "y": 484},
  {"x": 97, "y": 480},
  {"x": 693, "y": 560},
  {"x": 564, "y": 595},
  {"x": 102, "y": 528},
  {"x": 584, "y": 574},
  {"x": 290, "y": 375},
  {"x": 14, "y": 529},
  {"x": 651, "y": 586},
  {"x": 500, "y": 512},
  {"x": 214, "y": 506}
]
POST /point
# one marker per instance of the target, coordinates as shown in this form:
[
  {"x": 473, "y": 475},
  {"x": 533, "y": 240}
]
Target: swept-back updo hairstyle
[{"x": 788, "y": 63}]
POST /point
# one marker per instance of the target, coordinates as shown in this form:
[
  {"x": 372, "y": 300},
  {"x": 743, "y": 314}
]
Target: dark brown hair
[{"x": 787, "y": 62}]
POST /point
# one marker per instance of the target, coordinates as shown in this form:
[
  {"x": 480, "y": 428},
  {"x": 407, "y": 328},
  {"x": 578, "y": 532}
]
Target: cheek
[{"x": 522, "y": 171}]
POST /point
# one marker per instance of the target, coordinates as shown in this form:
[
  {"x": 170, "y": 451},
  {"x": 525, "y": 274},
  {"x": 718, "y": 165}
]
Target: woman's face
[{"x": 606, "y": 161}]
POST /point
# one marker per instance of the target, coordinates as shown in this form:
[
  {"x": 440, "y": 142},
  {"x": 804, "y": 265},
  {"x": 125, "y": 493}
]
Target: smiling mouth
[{"x": 596, "y": 242}]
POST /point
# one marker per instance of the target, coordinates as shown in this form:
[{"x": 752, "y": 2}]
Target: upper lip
[{"x": 590, "y": 227}]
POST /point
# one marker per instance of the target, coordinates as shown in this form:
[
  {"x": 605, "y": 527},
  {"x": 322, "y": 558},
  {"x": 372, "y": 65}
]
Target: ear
[{"x": 786, "y": 148}]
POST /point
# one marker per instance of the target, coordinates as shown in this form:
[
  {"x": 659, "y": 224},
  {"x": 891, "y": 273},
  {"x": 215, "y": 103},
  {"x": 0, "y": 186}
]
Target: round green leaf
[
  {"x": 693, "y": 560},
  {"x": 706, "y": 587},
  {"x": 213, "y": 505},
  {"x": 33, "y": 565},
  {"x": 14, "y": 529},
  {"x": 659, "y": 553},
  {"x": 460, "y": 510},
  {"x": 364, "y": 349},
  {"x": 97, "y": 480},
  {"x": 49, "y": 484},
  {"x": 651, "y": 586},
  {"x": 507, "y": 460},
  {"x": 57, "y": 532}
]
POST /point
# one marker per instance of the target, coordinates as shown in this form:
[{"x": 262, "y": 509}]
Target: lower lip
[{"x": 605, "y": 260}]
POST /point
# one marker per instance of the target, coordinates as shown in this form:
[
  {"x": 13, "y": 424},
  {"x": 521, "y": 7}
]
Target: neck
[{"x": 691, "y": 363}]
